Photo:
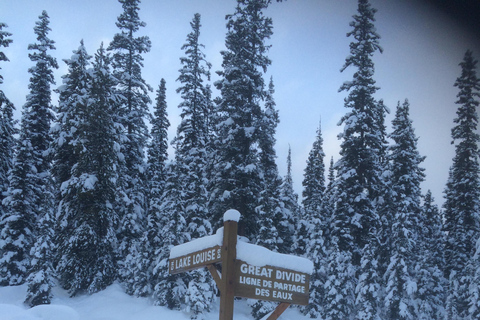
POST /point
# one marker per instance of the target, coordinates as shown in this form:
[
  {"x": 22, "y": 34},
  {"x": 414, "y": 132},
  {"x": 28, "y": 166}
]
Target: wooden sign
[
  {"x": 239, "y": 278},
  {"x": 271, "y": 283},
  {"x": 195, "y": 260}
]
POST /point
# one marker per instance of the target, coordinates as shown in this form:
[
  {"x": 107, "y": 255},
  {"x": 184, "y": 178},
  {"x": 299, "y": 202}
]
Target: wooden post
[
  {"x": 278, "y": 311},
  {"x": 229, "y": 254}
]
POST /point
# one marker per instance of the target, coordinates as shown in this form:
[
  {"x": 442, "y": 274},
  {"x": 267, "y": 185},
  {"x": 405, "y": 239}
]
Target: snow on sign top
[
  {"x": 197, "y": 244},
  {"x": 259, "y": 256},
  {"x": 231, "y": 215}
]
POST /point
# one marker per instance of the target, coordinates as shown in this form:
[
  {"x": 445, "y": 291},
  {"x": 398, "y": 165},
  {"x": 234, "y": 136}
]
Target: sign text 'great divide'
[
  {"x": 195, "y": 260},
  {"x": 271, "y": 283}
]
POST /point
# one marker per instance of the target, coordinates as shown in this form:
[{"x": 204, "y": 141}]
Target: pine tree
[
  {"x": 291, "y": 213},
  {"x": 401, "y": 285},
  {"x": 462, "y": 193},
  {"x": 236, "y": 182},
  {"x": 191, "y": 143},
  {"x": 144, "y": 280},
  {"x": 314, "y": 177},
  {"x": 170, "y": 289},
  {"x": 473, "y": 269},
  {"x": 7, "y": 126},
  {"x": 29, "y": 194},
  {"x": 359, "y": 168},
  {"x": 87, "y": 236},
  {"x": 315, "y": 221},
  {"x": 41, "y": 278},
  {"x": 430, "y": 279},
  {"x": 132, "y": 113}
]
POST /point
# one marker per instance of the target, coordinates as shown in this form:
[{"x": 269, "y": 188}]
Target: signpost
[{"x": 240, "y": 278}]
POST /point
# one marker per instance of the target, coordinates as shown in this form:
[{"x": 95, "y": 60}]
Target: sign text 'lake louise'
[{"x": 195, "y": 260}]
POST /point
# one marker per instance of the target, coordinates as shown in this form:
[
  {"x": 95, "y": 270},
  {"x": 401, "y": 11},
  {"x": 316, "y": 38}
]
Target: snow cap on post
[{"x": 231, "y": 215}]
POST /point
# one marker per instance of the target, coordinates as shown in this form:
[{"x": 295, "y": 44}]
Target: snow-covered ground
[{"x": 110, "y": 304}]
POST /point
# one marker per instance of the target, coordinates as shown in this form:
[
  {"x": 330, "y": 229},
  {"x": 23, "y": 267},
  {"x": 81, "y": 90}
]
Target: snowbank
[{"x": 109, "y": 304}]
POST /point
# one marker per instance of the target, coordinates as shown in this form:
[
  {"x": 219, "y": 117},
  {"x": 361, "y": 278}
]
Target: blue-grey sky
[{"x": 423, "y": 46}]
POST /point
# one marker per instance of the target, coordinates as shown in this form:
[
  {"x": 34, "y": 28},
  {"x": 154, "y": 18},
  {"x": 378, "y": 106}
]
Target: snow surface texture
[
  {"x": 109, "y": 304},
  {"x": 231, "y": 215}
]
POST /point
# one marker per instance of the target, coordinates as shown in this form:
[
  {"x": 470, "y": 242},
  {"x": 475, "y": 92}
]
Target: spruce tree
[
  {"x": 316, "y": 218},
  {"x": 270, "y": 209},
  {"x": 430, "y": 279},
  {"x": 30, "y": 188},
  {"x": 87, "y": 238},
  {"x": 237, "y": 182},
  {"x": 7, "y": 126},
  {"x": 462, "y": 193},
  {"x": 400, "y": 278},
  {"x": 191, "y": 160},
  {"x": 314, "y": 177},
  {"x": 359, "y": 168},
  {"x": 132, "y": 113},
  {"x": 42, "y": 274},
  {"x": 145, "y": 279}
]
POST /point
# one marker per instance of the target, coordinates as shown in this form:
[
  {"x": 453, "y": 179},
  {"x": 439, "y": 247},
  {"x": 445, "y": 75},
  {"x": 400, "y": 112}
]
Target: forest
[{"x": 90, "y": 196}]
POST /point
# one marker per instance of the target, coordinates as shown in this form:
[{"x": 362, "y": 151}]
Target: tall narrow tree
[
  {"x": 30, "y": 191},
  {"x": 7, "y": 125},
  {"x": 462, "y": 194},
  {"x": 132, "y": 114},
  {"x": 407, "y": 175},
  {"x": 238, "y": 113},
  {"x": 146, "y": 273},
  {"x": 191, "y": 159},
  {"x": 359, "y": 168}
]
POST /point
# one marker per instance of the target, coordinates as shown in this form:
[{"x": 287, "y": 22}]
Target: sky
[{"x": 423, "y": 44}]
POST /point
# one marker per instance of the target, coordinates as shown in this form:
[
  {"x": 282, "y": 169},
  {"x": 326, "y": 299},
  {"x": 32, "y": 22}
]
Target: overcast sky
[{"x": 423, "y": 45}]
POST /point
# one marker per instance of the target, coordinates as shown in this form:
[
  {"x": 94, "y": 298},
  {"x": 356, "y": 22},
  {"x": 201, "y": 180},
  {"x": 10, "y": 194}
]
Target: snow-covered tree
[
  {"x": 405, "y": 160},
  {"x": 132, "y": 114},
  {"x": 237, "y": 176},
  {"x": 462, "y": 194},
  {"x": 430, "y": 279},
  {"x": 314, "y": 177},
  {"x": 7, "y": 126},
  {"x": 359, "y": 170},
  {"x": 191, "y": 161},
  {"x": 29, "y": 192},
  {"x": 87, "y": 237},
  {"x": 144, "y": 280},
  {"x": 41, "y": 279},
  {"x": 270, "y": 209}
]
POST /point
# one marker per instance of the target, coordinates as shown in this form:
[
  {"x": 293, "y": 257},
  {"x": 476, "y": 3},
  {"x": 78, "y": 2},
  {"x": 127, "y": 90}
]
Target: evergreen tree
[
  {"x": 275, "y": 231},
  {"x": 359, "y": 168},
  {"x": 291, "y": 213},
  {"x": 7, "y": 126},
  {"x": 237, "y": 176},
  {"x": 87, "y": 236},
  {"x": 473, "y": 269},
  {"x": 314, "y": 177},
  {"x": 40, "y": 281},
  {"x": 29, "y": 194},
  {"x": 270, "y": 208},
  {"x": 430, "y": 279},
  {"x": 359, "y": 172},
  {"x": 191, "y": 158},
  {"x": 462, "y": 194},
  {"x": 144, "y": 279},
  {"x": 170, "y": 289},
  {"x": 401, "y": 285},
  {"x": 132, "y": 113}
]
